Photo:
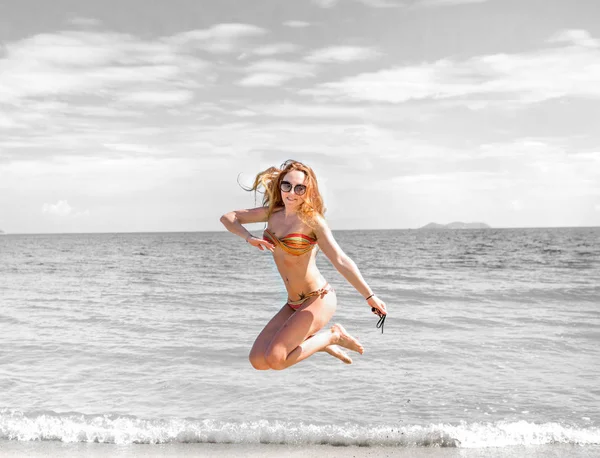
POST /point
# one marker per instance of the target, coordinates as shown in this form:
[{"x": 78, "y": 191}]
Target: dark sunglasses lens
[
  {"x": 300, "y": 189},
  {"x": 285, "y": 186}
]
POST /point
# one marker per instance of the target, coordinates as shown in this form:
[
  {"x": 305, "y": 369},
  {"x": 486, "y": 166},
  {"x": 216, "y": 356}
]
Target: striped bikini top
[{"x": 294, "y": 243}]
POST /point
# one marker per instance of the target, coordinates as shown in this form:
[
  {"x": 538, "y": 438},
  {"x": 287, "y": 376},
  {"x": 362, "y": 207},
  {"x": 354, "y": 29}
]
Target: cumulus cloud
[
  {"x": 299, "y": 110},
  {"x": 272, "y": 72},
  {"x": 325, "y": 3},
  {"x": 371, "y": 3},
  {"x": 92, "y": 63},
  {"x": 244, "y": 113},
  {"x": 529, "y": 77},
  {"x": 575, "y": 37},
  {"x": 381, "y": 3},
  {"x": 296, "y": 24},
  {"x": 61, "y": 208},
  {"x": 432, "y": 3},
  {"x": 275, "y": 48},
  {"x": 109, "y": 64},
  {"x": 281, "y": 66},
  {"x": 85, "y": 21},
  {"x": 158, "y": 98},
  {"x": 342, "y": 54},
  {"x": 265, "y": 79},
  {"x": 221, "y": 38}
]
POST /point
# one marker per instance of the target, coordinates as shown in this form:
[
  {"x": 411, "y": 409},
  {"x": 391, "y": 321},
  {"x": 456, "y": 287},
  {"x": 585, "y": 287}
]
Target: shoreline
[{"x": 40, "y": 449}]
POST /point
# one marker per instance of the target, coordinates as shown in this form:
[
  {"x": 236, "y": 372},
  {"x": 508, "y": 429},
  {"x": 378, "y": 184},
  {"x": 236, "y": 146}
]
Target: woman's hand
[
  {"x": 378, "y": 305},
  {"x": 260, "y": 243}
]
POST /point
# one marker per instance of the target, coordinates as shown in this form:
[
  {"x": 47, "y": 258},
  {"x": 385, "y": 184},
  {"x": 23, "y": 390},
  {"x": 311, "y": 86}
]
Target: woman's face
[{"x": 290, "y": 198}]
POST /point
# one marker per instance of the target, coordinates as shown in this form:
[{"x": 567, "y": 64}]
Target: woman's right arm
[{"x": 234, "y": 221}]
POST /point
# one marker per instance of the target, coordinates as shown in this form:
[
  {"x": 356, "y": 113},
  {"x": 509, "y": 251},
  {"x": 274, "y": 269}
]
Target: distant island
[{"x": 456, "y": 225}]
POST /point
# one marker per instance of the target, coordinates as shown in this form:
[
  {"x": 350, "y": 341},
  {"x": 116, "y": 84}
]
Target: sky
[{"x": 135, "y": 116}]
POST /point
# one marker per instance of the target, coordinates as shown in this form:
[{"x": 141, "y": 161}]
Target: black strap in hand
[{"x": 381, "y": 321}]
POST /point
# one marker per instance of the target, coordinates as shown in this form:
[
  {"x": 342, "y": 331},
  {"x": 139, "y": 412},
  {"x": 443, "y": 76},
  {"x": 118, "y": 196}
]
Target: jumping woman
[{"x": 293, "y": 210}]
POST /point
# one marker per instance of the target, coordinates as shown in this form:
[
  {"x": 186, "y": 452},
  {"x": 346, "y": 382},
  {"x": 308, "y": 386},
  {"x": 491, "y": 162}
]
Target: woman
[{"x": 293, "y": 209}]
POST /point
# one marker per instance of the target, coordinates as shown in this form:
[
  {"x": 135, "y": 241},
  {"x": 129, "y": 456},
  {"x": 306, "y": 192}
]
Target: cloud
[
  {"x": 100, "y": 177},
  {"x": 342, "y": 54},
  {"x": 433, "y": 3},
  {"x": 133, "y": 148},
  {"x": 273, "y": 72},
  {"x": 275, "y": 48},
  {"x": 281, "y": 66},
  {"x": 525, "y": 78},
  {"x": 516, "y": 205},
  {"x": 381, "y": 3},
  {"x": 7, "y": 121},
  {"x": 221, "y": 38},
  {"x": 231, "y": 31},
  {"x": 325, "y": 3},
  {"x": 61, "y": 208},
  {"x": 85, "y": 22},
  {"x": 93, "y": 63},
  {"x": 298, "y": 110},
  {"x": 296, "y": 24},
  {"x": 371, "y": 3},
  {"x": 575, "y": 37},
  {"x": 158, "y": 98},
  {"x": 72, "y": 48},
  {"x": 265, "y": 79},
  {"x": 244, "y": 113}
]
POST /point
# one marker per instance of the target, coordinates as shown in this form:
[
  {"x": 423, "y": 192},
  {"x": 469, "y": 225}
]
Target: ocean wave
[{"x": 119, "y": 429}]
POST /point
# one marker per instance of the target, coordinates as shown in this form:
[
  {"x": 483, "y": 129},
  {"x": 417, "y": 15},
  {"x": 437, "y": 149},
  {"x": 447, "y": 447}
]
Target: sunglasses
[{"x": 299, "y": 189}]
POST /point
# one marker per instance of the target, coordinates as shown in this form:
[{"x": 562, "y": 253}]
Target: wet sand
[{"x": 75, "y": 450}]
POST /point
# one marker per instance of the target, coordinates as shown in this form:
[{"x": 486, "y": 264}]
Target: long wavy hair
[{"x": 270, "y": 180}]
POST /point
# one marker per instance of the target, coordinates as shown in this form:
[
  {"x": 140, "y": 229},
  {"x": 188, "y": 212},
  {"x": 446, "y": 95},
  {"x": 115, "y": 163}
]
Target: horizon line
[{"x": 333, "y": 230}]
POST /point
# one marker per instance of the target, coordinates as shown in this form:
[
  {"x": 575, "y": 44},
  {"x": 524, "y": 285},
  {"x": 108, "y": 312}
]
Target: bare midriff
[{"x": 299, "y": 273}]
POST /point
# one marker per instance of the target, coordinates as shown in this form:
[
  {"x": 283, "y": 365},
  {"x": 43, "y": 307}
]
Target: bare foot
[
  {"x": 343, "y": 339},
  {"x": 338, "y": 353}
]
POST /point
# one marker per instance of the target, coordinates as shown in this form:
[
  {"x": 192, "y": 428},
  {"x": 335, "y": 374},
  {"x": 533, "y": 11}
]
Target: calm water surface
[{"x": 493, "y": 338}]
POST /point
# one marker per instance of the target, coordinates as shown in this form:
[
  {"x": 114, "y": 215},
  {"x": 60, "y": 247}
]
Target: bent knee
[
  {"x": 258, "y": 362},
  {"x": 276, "y": 359}
]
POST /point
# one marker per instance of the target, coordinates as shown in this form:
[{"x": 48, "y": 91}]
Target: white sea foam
[{"x": 16, "y": 425}]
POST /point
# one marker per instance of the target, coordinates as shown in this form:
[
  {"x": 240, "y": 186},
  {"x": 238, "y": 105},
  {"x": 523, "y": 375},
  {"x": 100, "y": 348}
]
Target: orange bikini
[{"x": 297, "y": 244}]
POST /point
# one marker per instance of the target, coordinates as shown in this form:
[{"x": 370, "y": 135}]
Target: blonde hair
[{"x": 270, "y": 180}]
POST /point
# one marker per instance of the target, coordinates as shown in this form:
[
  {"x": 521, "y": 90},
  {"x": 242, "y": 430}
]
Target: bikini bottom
[{"x": 304, "y": 297}]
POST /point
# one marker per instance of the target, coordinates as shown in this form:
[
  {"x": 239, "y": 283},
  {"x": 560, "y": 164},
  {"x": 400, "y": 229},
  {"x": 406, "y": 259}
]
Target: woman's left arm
[{"x": 345, "y": 266}]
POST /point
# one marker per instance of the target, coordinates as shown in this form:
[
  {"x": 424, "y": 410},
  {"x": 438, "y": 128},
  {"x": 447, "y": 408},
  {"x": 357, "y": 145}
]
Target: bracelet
[
  {"x": 370, "y": 297},
  {"x": 249, "y": 237}
]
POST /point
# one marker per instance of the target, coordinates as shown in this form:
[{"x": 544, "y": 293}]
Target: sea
[{"x": 491, "y": 346}]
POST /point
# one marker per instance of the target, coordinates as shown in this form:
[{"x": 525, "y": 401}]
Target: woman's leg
[
  {"x": 338, "y": 353},
  {"x": 291, "y": 344},
  {"x": 262, "y": 342},
  {"x": 257, "y": 354}
]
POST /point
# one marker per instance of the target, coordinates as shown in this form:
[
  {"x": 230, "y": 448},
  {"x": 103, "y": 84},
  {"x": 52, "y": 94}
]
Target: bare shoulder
[
  {"x": 321, "y": 228},
  {"x": 326, "y": 241}
]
